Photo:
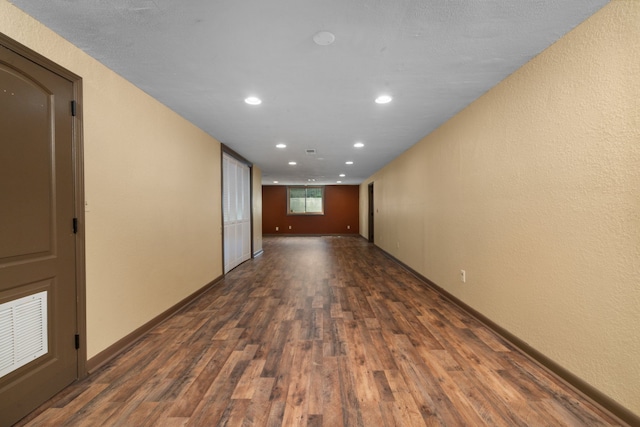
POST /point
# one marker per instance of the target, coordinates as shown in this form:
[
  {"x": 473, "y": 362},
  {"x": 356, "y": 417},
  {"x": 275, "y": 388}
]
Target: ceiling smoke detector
[{"x": 324, "y": 38}]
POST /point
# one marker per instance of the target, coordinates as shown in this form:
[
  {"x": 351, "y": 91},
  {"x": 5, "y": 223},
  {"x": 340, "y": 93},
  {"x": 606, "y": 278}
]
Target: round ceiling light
[
  {"x": 383, "y": 99},
  {"x": 358, "y": 145},
  {"x": 252, "y": 100},
  {"x": 348, "y": 163},
  {"x": 281, "y": 145},
  {"x": 324, "y": 38},
  {"x": 292, "y": 163}
]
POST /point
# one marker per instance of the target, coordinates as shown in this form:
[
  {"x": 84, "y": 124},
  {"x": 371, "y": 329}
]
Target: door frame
[
  {"x": 371, "y": 235},
  {"x": 78, "y": 174}
]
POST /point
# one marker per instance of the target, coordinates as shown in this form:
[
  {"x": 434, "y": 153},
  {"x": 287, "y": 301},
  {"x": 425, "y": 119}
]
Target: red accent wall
[{"x": 341, "y": 209}]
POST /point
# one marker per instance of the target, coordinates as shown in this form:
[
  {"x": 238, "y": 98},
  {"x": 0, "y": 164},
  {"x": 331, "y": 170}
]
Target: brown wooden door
[{"x": 37, "y": 240}]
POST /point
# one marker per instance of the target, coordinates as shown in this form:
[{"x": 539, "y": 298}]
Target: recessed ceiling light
[
  {"x": 252, "y": 100},
  {"x": 281, "y": 145},
  {"x": 292, "y": 163},
  {"x": 358, "y": 145},
  {"x": 383, "y": 99},
  {"x": 324, "y": 38},
  {"x": 339, "y": 182},
  {"x": 275, "y": 182},
  {"x": 342, "y": 175},
  {"x": 348, "y": 163}
]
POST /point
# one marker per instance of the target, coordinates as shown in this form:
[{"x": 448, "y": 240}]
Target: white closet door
[{"x": 236, "y": 212}]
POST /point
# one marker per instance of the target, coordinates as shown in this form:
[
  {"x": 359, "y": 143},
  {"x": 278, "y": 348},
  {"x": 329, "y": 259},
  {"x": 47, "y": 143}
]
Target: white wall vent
[{"x": 23, "y": 331}]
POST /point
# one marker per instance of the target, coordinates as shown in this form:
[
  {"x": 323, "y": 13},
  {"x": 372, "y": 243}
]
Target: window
[{"x": 305, "y": 200}]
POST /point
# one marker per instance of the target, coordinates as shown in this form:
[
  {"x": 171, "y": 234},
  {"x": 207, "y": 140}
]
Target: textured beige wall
[
  {"x": 256, "y": 204},
  {"x": 152, "y": 181},
  {"x": 534, "y": 190}
]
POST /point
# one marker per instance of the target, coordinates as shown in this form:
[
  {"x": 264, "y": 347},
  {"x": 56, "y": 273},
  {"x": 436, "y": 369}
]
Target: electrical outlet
[
  {"x": 463, "y": 276},
  {"x": 277, "y": 228},
  {"x": 348, "y": 227},
  {"x": 289, "y": 227}
]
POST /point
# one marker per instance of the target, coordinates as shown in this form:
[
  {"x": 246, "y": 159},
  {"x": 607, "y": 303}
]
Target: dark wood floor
[{"x": 320, "y": 331}]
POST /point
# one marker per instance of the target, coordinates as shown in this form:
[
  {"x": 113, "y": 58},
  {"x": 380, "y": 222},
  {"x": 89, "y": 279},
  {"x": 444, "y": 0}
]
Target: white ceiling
[{"x": 203, "y": 57}]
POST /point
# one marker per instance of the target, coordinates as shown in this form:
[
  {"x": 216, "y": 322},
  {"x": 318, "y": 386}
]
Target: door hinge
[
  {"x": 75, "y": 225},
  {"x": 73, "y": 108},
  {"x": 77, "y": 341}
]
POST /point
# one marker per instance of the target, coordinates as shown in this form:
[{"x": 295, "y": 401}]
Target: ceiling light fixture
[
  {"x": 324, "y": 38},
  {"x": 338, "y": 182},
  {"x": 292, "y": 163},
  {"x": 348, "y": 163},
  {"x": 358, "y": 145},
  {"x": 252, "y": 100},
  {"x": 342, "y": 175},
  {"x": 275, "y": 182},
  {"x": 281, "y": 145},
  {"x": 383, "y": 99}
]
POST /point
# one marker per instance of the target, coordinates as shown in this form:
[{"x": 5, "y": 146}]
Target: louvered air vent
[
  {"x": 311, "y": 151},
  {"x": 23, "y": 331}
]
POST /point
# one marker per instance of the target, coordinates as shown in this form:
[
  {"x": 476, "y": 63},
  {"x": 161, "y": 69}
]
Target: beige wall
[
  {"x": 152, "y": 181},
  {"x": 256, "y": 204},
  {"x": 534, "y": 190}
]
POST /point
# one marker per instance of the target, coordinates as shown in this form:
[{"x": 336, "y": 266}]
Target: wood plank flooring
[{"x": 320, "y": 331}]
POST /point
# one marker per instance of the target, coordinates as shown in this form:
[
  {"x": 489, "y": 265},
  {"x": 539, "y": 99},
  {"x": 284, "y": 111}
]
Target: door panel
[
  {"x": 26, "y": 227},
  {"x": 37, "y": 243}
]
